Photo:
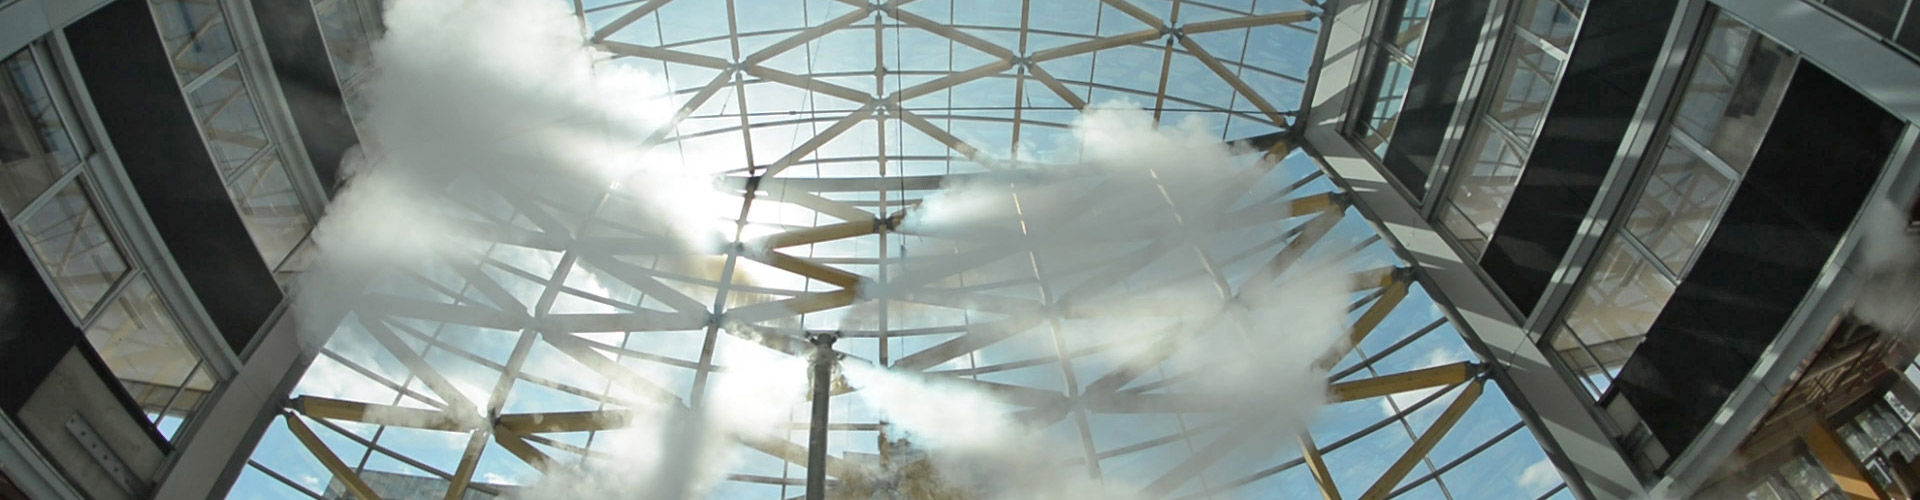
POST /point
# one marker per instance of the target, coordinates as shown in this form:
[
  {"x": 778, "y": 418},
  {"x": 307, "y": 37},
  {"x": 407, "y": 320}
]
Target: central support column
[{"x": 823, "y": 358}]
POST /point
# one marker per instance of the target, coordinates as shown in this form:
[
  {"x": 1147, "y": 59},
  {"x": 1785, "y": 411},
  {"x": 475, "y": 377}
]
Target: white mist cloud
[
  {"x": 675, "y": 452},
  {"x": 1258, "y": 347},
  {"x": 1890, "y": 297},
  {"x": 505, "y": 92},
  {"x": 500, "y": 93},
  {"x": 972, "y": 443},
  {"x": 488, "y": 108}
]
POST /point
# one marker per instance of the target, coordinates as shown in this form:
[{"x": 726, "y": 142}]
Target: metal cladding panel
[
  {"x": 1606, "y": 74},
  {"x": 1814, "y": 171},
  {"x": 34, "y": 331},
  {"x": 1445, "y": 60},
  {"x": 120, "y": 56}
]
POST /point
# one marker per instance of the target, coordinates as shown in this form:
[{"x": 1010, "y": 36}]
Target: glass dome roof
[{"x": 1061, "y": 334}]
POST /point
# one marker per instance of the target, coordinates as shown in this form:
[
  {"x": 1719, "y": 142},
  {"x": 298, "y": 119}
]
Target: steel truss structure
[{"x": 558, "y": 319}]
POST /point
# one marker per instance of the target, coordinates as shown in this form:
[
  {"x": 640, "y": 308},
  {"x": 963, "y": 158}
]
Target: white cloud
[{"x": 1539, "y": 476}]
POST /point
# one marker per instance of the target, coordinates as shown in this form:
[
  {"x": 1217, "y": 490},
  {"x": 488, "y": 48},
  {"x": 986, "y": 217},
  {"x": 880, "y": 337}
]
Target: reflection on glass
[
  {"x": 1550, "y": 20},
  {"x": 1736, "y": 86},
  {"x": 347, "y": 35},
  {"x": 227, "y": 117},
  {"x": 1525, "y": 88},
  {"x": 269, "y": 207},
  {"x": 196, "y": 35},
  {"x": 74, "y": 250},
  {"x": 1529, "y": 76},
  {"x": 1412, "y": 27},
  {"x": 34, "y": 147},
  {"x": 1680, "y": 201},
  {"x": 1395, "y": 77},
  {"x": 1798, "y": 478},
  {"x": 1484, "y": 188},
  {"x": 1612, "y": 310},
  {"x": 142, "y": 345}
]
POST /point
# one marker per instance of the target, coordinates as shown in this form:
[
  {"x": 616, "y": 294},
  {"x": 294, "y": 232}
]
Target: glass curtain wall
[
  {"x": 212, "y": 75},
  {"x": 48, "y": 200},
  {"x": 349, "y": 28},
  {"x": 1733, "y": 88},
  {"x": 1535, "y": 52},
  {"x": 1397, "y": 47}
]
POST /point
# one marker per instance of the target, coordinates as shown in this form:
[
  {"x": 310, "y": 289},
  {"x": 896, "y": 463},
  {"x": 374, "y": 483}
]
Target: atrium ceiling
[{"x": 1068, "y": 247}]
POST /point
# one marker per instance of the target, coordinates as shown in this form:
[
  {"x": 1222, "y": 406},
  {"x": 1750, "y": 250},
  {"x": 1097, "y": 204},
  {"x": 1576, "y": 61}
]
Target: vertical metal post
[{"x": 823, "y": 358}]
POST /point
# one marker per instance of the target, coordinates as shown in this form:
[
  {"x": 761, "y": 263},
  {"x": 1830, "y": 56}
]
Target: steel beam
[
  {"x": 1383, "y": 385},
  {"x": 1054, "y": 84},
  {"x": 379, "y": 414},
  {"x": 810, "y": 83},
  {"x": 808, "y": 35},
  {"x": 822, "y": 381},
  {"x": 800, "y": 304},
  {"x": 668, "y": 55},
  {"x": 1375, "y": 314},
  {"x": 1233, "y": 80},
  {"x": 1318, "y": 466},
  {"x": 469, "y": 459},
  {"x": 580, "y": 351},
  {"x": 1839, "y": 465},
  {"x": 819, "y": 234},
  {"x": 517, "y": 445},
  {"x": 951, "y": 34},
  {"x": 1427, "y": 440},
  {"x": 328, "y": 459},
  {"x": 953, "y": 142},
  {"x": 807, "y": 268},
  {"x": 418, "y": 367},
  {"x": 950, "y": 81},
  {"x": 1134, "y": 11},
  {"x": 564, "y": 421},
  {"x": 1232, "y": 23},
  {"x": 1096, "y": 44},
  {"x": 628, "y": 18},
  {"x": 820, "y": 139}
]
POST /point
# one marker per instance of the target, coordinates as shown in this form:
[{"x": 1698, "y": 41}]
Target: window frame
[
  {"x": 82, "y": 176},
  {"x": 1643, "y": 169},
  {"x": 1482, "y": 123}
]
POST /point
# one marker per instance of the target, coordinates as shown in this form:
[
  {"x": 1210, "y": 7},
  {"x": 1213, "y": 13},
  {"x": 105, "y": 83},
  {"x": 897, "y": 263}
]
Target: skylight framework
[{"x": 489, "y": 369}]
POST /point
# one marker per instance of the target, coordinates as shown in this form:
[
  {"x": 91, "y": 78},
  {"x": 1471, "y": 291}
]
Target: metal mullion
[
  {"x": 175, "y": 398},
  {"x": 1900, "y": 23},
  {"x": 1331, "y": 447},
  {"x": 1366, "y": 362},
  {"x": 1486, "y": 98},
  {"x": 46, "y": 65},
  {"x": 113, "y": 239},
  {"x": 1598, "y": 365},
  {"x": 1534, "y": 39},
  {"x": 696, "y": 395},
  {"x": 211, "y": 73},
  {"x": 283, "y": 479},
  {"x": 230, "y": 180},
  {"x": 1434, "y": 475},
  {"x": 1654, "y": 117},
  {"x": 39, "y": 201},
  {"x": 1699, "y": 150}
]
